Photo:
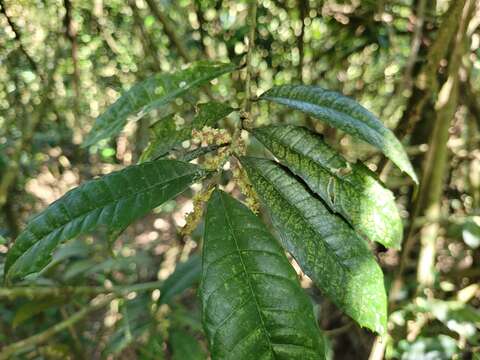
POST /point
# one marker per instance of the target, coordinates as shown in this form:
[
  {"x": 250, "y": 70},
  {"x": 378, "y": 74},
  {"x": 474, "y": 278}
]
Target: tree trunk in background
[
  {"x": 435, "y": 165},
  {"x": 426, "y": 83},
  {"x": 170, "y": 30}
]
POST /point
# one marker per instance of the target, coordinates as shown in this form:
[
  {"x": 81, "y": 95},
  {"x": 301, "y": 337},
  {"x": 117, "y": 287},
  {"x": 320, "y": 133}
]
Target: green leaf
[
  {"x": 348, "y": 189},
  {"x": 153, "y": 93},
  {"x": 112, "y": 201},
  {"x": 253, "y": 306},
  {"x": 329, "y": 251},
  {"x": 346, "y": 114},
  {"x": 31, "y": 308},
  {"x": 210, "y": 113},
  {"x": 166, "y": 134},
  {"x": 185, "y": 346},
  {"x": 185, "y": 275},
  {"x": 471, "y": 233},
  {"x": 455, "y": 315}
]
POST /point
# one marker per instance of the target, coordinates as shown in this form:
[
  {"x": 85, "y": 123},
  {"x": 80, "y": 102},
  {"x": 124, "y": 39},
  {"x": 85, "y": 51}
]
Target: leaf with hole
[
  {"x": 348, "y": 189},
  {"x": 253, "y": 306},
  {"x": 328, "y": 250},
  {"x": 153, "y": 93},
  {"x": 113, "y": 201},
  {"x": 344, "y": 113}
]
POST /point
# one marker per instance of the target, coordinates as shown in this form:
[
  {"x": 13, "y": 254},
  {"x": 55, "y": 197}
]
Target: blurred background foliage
[{"x": 414, "y": 63}]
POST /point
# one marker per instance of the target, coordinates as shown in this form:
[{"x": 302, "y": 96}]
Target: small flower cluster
[
  {"x": 193, "y": 218},
  {"x": 210, "y": 136},
  {"x": 251, "y": 199}
]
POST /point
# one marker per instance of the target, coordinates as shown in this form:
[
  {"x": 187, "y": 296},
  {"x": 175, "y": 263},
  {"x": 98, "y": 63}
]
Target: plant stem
[
  {"x": 252, "y": 23},
  {"x": 436, "y": 160},
  {"x": 170, "y": 30},
  {"x": 36, "y": 292}
]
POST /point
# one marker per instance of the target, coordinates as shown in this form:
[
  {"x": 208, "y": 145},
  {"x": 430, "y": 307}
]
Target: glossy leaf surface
[
  {"x": 346, "y": 114},
  {"x": 113, "y": 201},
  {"x": 152, "y": 93},
  {"x": 348, "y": 189},
  {"x": 253, "y": 305},
  {"x": 326, "y": 247}
]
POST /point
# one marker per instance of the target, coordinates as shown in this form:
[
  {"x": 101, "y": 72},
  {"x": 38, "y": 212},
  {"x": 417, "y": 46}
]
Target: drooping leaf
[
  {"x": 113, "y": 201},
  {"x": 185, "y": 275},
  {"x": 166, "y": 134},
  {"x": 153, "y": 93},
  {"x": 326, "y": 247},
  {"x": 348, "y": 189},
  {"x": 346, "y": 114},
  {"x": 253, "y": 306}
]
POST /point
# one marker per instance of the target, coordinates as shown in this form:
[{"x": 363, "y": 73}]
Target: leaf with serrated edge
[
  {"x": 328, "y": 250},
  {"x": 348, "y": 189},
  {"x": 346, "y": 114},
  {"x": 153, "y": 93},
  {"x": 253, "y": 305},
  {"x": 113, "y": 201}
]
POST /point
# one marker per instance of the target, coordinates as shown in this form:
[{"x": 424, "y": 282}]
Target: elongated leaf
[
  {"x": 185, "y": 275},
  {"x": 166, "y": 134},
  {"x": 348, "y": 189},
  {"x": 328, "y": 250},
  {"x": 34, "y": 307},
  {"x": 113, "y": 201},
  {"x": 346, "y": 114},
  {"x": 253, "y": 305},
  {"x": 152, "y": 93}
]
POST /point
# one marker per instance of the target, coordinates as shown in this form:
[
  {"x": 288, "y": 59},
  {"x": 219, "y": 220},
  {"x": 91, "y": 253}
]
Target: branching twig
[
  {"x": 36, "y": 292},
  {"x": 252, "y": 23},
  {"x": 18, "y": 37},
  {"x": 169, "y": 30}
]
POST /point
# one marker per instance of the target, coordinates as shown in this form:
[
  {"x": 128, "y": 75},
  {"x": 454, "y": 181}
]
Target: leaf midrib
[
  {"x": 283, "y": 99},
  {"x": 90, "y": 211},
  {"x": 254, "y": 296},
  {"x": 345, "y": 181},
  {"x": 305, "y": 220}
]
